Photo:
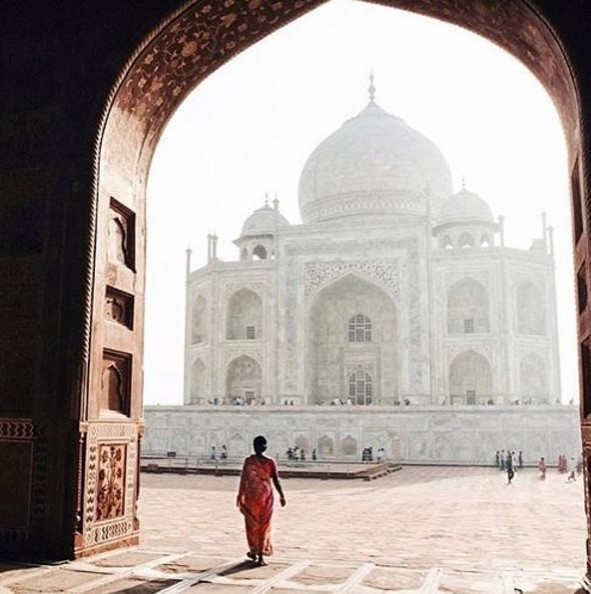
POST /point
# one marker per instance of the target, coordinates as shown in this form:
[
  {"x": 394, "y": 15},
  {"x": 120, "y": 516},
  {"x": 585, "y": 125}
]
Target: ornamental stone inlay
[{"x": 317, "y": 274}]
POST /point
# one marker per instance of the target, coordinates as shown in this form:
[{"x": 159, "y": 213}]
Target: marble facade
[{"x": 430, "y": 434}]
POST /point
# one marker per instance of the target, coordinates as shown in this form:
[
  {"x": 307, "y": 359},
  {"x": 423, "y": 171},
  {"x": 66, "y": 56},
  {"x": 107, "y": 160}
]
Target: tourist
[
  {"x": 302, "y": 455},
  {"x": 503, "y": 459},
  {"x": 542, "y": 468},
  {"x": 224, "y": 453},
  {"x": 571, "y": 469},
  {"x": 509, "y": 466},
  {"x": 497, "y": 459},
  {"x": 520, "y": 459},
  {"x": 314, "y": 455},
  {"x": 255, "y": 500},
  {"x": 380, "y": 455},
  {"x": 213, "y": 454}
]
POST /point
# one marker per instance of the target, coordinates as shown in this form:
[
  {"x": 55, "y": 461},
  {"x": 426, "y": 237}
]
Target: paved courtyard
[{"x": 427, "y": 530}]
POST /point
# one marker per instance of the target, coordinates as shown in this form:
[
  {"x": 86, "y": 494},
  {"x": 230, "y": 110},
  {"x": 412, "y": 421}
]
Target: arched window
[
  {"x": 359, "y": 329},
  {"x": 467, "y": 308},
  {"x": 466, "y": 241},
  {"x": 531, "y": 310},
  {"x": 199, "y": 321},
  {"x": 245, "y": 316},
  {"x": 360, "y": 387},
  {"x": 244, "y": 379},
  {"x": 260, "y": 252},
  {"x": 197, "y": 383},
  {"x": 470, "y": 379}
]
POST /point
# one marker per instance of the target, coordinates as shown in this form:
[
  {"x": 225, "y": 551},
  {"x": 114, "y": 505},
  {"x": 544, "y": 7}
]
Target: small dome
[
  {"x": 465, "y": 207},
  {"x": 264, "y": 221},
  {"x": 373, "y": 165}
]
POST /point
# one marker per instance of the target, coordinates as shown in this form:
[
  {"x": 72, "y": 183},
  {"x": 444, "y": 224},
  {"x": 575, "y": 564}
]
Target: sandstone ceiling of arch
[{"x": 206, "y": 34}]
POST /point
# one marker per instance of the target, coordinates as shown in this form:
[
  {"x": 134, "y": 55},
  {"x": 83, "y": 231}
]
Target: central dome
[{"x": 374, "y": 165}]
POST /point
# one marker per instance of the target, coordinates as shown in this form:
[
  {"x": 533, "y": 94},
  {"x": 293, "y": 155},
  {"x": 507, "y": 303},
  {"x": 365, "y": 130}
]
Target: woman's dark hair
[{"x": 259, "y": 444}]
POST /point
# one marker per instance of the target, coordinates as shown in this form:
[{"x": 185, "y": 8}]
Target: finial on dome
[
  {"x": 463, "y": 183},
  {"x": 371, "y": 88},
  {"x": 266, "y": 198},
  {"x": 276, "y": 202}
]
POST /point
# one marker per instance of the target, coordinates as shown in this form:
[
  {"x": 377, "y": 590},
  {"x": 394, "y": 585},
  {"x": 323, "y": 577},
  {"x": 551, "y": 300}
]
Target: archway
[
  {"x": 531, "y": 309},
  {"x": 345, "y": 344},
  {"x": 244, "y": 380},
  {"x": 151, "y": 85},
  {"x": 470, "y": 379},
  {"x": 467, "y": 308},
  {"x": 244, "y": 319}
]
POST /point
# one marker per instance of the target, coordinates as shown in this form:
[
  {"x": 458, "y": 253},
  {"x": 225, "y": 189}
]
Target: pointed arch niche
[
  {"x": 333, "y": 357},
  {"x": 467, "y": 308},
  {"x": 152, "y": 80},
  {"x": 244, "y": 379},
  {"x": 244, "y": 319},
  {"x": 470, "y": 379}
]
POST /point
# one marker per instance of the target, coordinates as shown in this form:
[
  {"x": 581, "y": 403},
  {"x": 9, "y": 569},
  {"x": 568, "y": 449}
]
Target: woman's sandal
[{"x": 252, "y": 556}]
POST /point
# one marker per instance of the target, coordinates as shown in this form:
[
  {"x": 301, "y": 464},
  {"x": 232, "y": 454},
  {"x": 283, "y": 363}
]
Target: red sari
[{"x": 255, "y": 500}]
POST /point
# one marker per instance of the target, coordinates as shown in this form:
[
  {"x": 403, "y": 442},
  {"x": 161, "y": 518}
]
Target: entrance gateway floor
[{"x": 427, "y": 530}]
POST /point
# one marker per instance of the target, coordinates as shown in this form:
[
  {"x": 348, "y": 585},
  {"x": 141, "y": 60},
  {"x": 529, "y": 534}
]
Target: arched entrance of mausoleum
[
  {"x": 352, "y": 357},
  {"x": 154, "y": 78}
]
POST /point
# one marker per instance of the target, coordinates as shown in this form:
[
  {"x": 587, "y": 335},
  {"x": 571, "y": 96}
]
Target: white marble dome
[
  {"x": 465, "y": 207},
  {"x": 263, "y": 221},
  {"x": 374, "y": 165}
]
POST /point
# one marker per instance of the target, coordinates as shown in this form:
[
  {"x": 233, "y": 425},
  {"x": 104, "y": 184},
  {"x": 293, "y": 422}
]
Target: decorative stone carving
[
  {"x": 110, "y": 485},
  {"x": 317, "y": 274},
  {"x": 116, "y": 382},
  {"x": 119, "y": 307},
  {"x": 121, "y": 235}
]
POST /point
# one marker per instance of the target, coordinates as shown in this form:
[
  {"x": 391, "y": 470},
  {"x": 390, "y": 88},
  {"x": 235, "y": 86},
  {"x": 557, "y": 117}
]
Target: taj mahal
[
  {"x": 392, "y": 290},
  {"x": 395, "y": 299}
]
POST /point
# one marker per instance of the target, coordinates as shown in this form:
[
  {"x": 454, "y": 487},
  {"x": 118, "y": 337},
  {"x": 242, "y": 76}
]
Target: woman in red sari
[{"x": 255, "y": 499}]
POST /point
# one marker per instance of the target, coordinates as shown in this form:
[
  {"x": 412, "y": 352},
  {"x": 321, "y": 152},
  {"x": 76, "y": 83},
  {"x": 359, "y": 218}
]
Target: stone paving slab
[{"x": 419, "y": 531}]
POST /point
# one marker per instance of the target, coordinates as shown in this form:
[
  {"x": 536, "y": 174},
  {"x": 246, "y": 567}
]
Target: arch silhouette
[
  {"x": 467, "y": 307},
  {"x": 244, "y": 319},
  {"x": 470, "y": 379},
  {"x": 156, "y": 75}
]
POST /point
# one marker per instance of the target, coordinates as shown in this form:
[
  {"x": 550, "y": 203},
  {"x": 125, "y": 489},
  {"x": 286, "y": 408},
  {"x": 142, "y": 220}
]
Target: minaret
[
  {"x": 544, "y": 230},
  {"x": 551, "y": 240},
  {"x": 371, "y": 88},
  {"x": 188, "y": 251},
  {"x": 502, "y": 230}
]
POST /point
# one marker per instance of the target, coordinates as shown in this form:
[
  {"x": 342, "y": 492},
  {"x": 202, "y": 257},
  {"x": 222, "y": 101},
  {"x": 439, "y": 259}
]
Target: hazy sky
[{"x": 249, "y": 128}]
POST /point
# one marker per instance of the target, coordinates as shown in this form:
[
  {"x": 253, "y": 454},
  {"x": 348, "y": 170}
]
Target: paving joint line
[
  {"x": 187, "y": 583},
  {"x": 118, "y": 572},
  {"x": 284, "y": 575},
  {"x": 356, "y": 578},
  {"x": 431, "y": 583}
]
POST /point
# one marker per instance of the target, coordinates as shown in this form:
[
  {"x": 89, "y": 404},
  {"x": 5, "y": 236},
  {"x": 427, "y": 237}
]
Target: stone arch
[
  {"x": 152, "y": 80},
  {"x": 326, "y": 446},
  {"x": 533, "y": 379},
  {"x": 244, "y": 318},
  {"x": 260, "y": 252},
  {"x": 470, "y": 379},
  {"x": 445, "y": 242},
  {"x": 244, "y": 379},
  {"x": 486, "y": 240},
  {"x": 466, "y": 240},
  {"x": 531, "y": 309},
  {"x": 303, "y": 443},
  {"x": 332, "y": 358},
  {"x": 198, "y": 383},
  {"x": 199, "y": 325},
  {"x": 467, "y": 308},
  {"x": 349, "y": 446}
]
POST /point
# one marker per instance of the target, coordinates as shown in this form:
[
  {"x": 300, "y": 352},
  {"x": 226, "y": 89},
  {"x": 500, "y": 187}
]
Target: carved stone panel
[
  {"x": 110, "y": 484},
  {"x": 116, "y": 382},
  {"x": 121, "y": 235},
  {"x": 119, "y": 307}
]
